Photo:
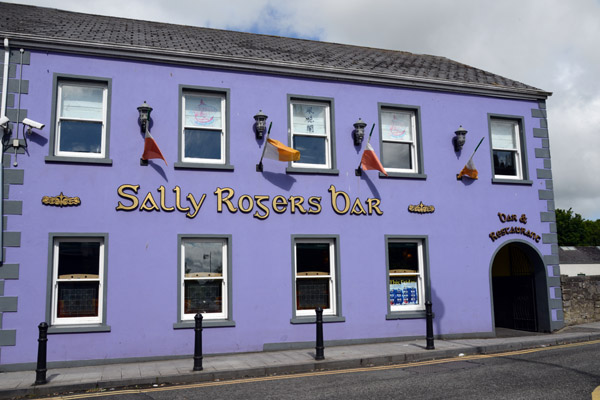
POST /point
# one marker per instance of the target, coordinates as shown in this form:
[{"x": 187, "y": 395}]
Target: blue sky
[{"x": 549, "y": 44}]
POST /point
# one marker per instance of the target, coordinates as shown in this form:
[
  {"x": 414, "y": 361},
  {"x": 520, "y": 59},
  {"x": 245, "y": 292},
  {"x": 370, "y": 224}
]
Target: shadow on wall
[{"x": 438, "y": 308}]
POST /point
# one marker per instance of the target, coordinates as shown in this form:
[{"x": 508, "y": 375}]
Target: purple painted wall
[{"x": 142, "y": 246}]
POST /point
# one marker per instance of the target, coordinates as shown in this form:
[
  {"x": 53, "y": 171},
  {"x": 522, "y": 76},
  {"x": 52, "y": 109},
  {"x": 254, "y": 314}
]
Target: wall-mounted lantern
[
  {"x": 144, "y": 111},
  {"x": 359, "y": 132},
  {"x": 260, "y": 125},
  {"x": 460, "y": 138}
]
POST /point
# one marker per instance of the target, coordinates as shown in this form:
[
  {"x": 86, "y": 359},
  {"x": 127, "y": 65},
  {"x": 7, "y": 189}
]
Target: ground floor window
[
  {"x": 204, "y": 277},
  {"x": 316, "y": 276},
  {"x": 407, "y": 275},
  {"x": 78, "y": 288}
]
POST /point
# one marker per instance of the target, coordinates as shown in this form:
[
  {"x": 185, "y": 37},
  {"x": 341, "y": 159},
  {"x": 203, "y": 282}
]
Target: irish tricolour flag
[
  {"x": 275, "y": 150},
  {"x": 469, "y": 170}
]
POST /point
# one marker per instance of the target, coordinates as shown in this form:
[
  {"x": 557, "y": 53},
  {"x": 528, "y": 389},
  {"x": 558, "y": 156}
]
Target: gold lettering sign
[
  {"x": 421, "y": 208},
  {"x": 514, "y": 230},
  {"x": 259, "y": 206},
  {"x": 61, "y": 201}
]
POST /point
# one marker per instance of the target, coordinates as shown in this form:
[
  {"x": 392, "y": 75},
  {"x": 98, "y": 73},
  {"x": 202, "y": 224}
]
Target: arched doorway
[{"x": 519, "y": 289}]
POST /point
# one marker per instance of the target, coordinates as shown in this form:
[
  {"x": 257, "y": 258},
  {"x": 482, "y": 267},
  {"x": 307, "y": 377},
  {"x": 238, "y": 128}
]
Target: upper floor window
[
  {"x": 80, "y": 130},
  {"x": 401, "y": 153},
  {"x": 203, "y": 129},
  {"x": 311, "y": 133},
  {"x": 508, "y": 148}
]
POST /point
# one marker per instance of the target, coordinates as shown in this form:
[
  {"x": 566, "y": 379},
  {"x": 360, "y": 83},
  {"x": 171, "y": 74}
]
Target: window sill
[
  {"x": 313, "y": 319},
  {"x": 214, "y": 323},
  {"x": 405, "y": 175},
  {"x": 78, "y": 328},
  {"x": 187, "y": 165},
  {"x": 512, "y": 181},
  {"x": 321, "y": 171},
  {"x": 78, "y": 160},
  {"x": 416, "y": 314}
]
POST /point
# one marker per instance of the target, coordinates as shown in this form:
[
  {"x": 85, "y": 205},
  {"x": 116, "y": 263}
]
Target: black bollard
[
  {"x": 198, "y": 343},
  {"x": 429, "y": 317},
  {"x": 40, "y": 371},
  {"x": 320, "y": 347}
]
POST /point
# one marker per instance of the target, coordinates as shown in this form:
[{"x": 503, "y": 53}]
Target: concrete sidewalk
[{"x": 232, "y": 366}]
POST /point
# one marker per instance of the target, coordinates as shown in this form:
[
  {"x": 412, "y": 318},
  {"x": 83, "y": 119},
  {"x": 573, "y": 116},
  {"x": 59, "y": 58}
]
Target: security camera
[
  {"x": 4, "y": 121},
  {"x": 33, "y": 124}
]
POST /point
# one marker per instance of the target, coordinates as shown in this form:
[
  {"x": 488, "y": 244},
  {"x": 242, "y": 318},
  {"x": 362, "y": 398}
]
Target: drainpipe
[
  {"x": 3, "y": 112},
  {"x": 5, "y": 76}
]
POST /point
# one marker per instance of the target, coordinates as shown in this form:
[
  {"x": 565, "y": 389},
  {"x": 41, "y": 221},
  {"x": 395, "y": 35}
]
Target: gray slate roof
[
  {"x": 52, "y": 29},
  {"x": 581, "y": 255}
]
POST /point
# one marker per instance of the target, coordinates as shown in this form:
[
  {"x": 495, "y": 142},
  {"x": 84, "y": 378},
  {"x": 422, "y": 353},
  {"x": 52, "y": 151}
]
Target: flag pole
[
  {"x": 259, "y": 166},
  {"x": 358, "y": 171},
  {"x": 478, "y": 144}
]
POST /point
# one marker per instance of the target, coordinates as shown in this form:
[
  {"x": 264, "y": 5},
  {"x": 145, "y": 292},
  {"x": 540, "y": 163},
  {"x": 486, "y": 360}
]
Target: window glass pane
[
  {"x": 396, "y": 125},
  {"x": 505, "y": 162},
  {"x": 404, "y": 290},
  {"x": 203, "y": 296},
  {"x": 397, "y": 155},
  {"x": 312, "y": 149},
  {"x": 203, "y": 258},
  {"x": 203, "y": 111},
  {"x": 81, "y": 259},
  {"x": 77, "y": 299},
  {"x": 403, "y": 257},
  {"x": 202, "y": 144},
  {"x": 80, "y": 136},
  {"x": 503, "y": 135},
  {"x": 309, "y": 119},
  {"x": 312, "y": 293},
  {"x": 82, "y": 102},
  {"x": 312, "y": 259}
]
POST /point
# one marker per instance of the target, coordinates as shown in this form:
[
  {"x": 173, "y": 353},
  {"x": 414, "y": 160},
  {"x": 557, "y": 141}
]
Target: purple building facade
[{"x": 117, "y": 255}]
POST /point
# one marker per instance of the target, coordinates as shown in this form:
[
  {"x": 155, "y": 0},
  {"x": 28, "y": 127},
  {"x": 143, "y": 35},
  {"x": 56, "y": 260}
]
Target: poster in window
[
  {"x": 396, "y": 126},
  {"x": 203, "y": 111},
  {"x": 404, "y": 292},
  {"x": 309, "y": 119}
]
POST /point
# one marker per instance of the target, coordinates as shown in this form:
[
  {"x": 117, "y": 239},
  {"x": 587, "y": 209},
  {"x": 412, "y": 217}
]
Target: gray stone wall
[{"x": 581, "y": 299}]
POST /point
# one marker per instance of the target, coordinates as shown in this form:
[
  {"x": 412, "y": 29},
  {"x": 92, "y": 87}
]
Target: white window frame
[
  {"x": 224, "y": 279},
  {"x": 59, "y": 100},
  {"x": 413, "y": 143},
  {"x": 420, "y": 277},
  {"x": 332, "y": 278},
  {"x": 222, "y": 129},
  {"x": 55, "y": 320},
  {"x": 327, "y": 135},
  {"x": 517, "y": 150}
]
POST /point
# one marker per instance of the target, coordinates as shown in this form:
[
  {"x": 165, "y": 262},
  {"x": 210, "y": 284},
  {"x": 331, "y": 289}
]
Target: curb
[{"x": 254, "y": 372}]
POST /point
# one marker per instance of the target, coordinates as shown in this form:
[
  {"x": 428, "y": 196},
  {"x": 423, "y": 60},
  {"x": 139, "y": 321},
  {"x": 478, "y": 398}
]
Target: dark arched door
[{"x": 514, "y": 289}]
